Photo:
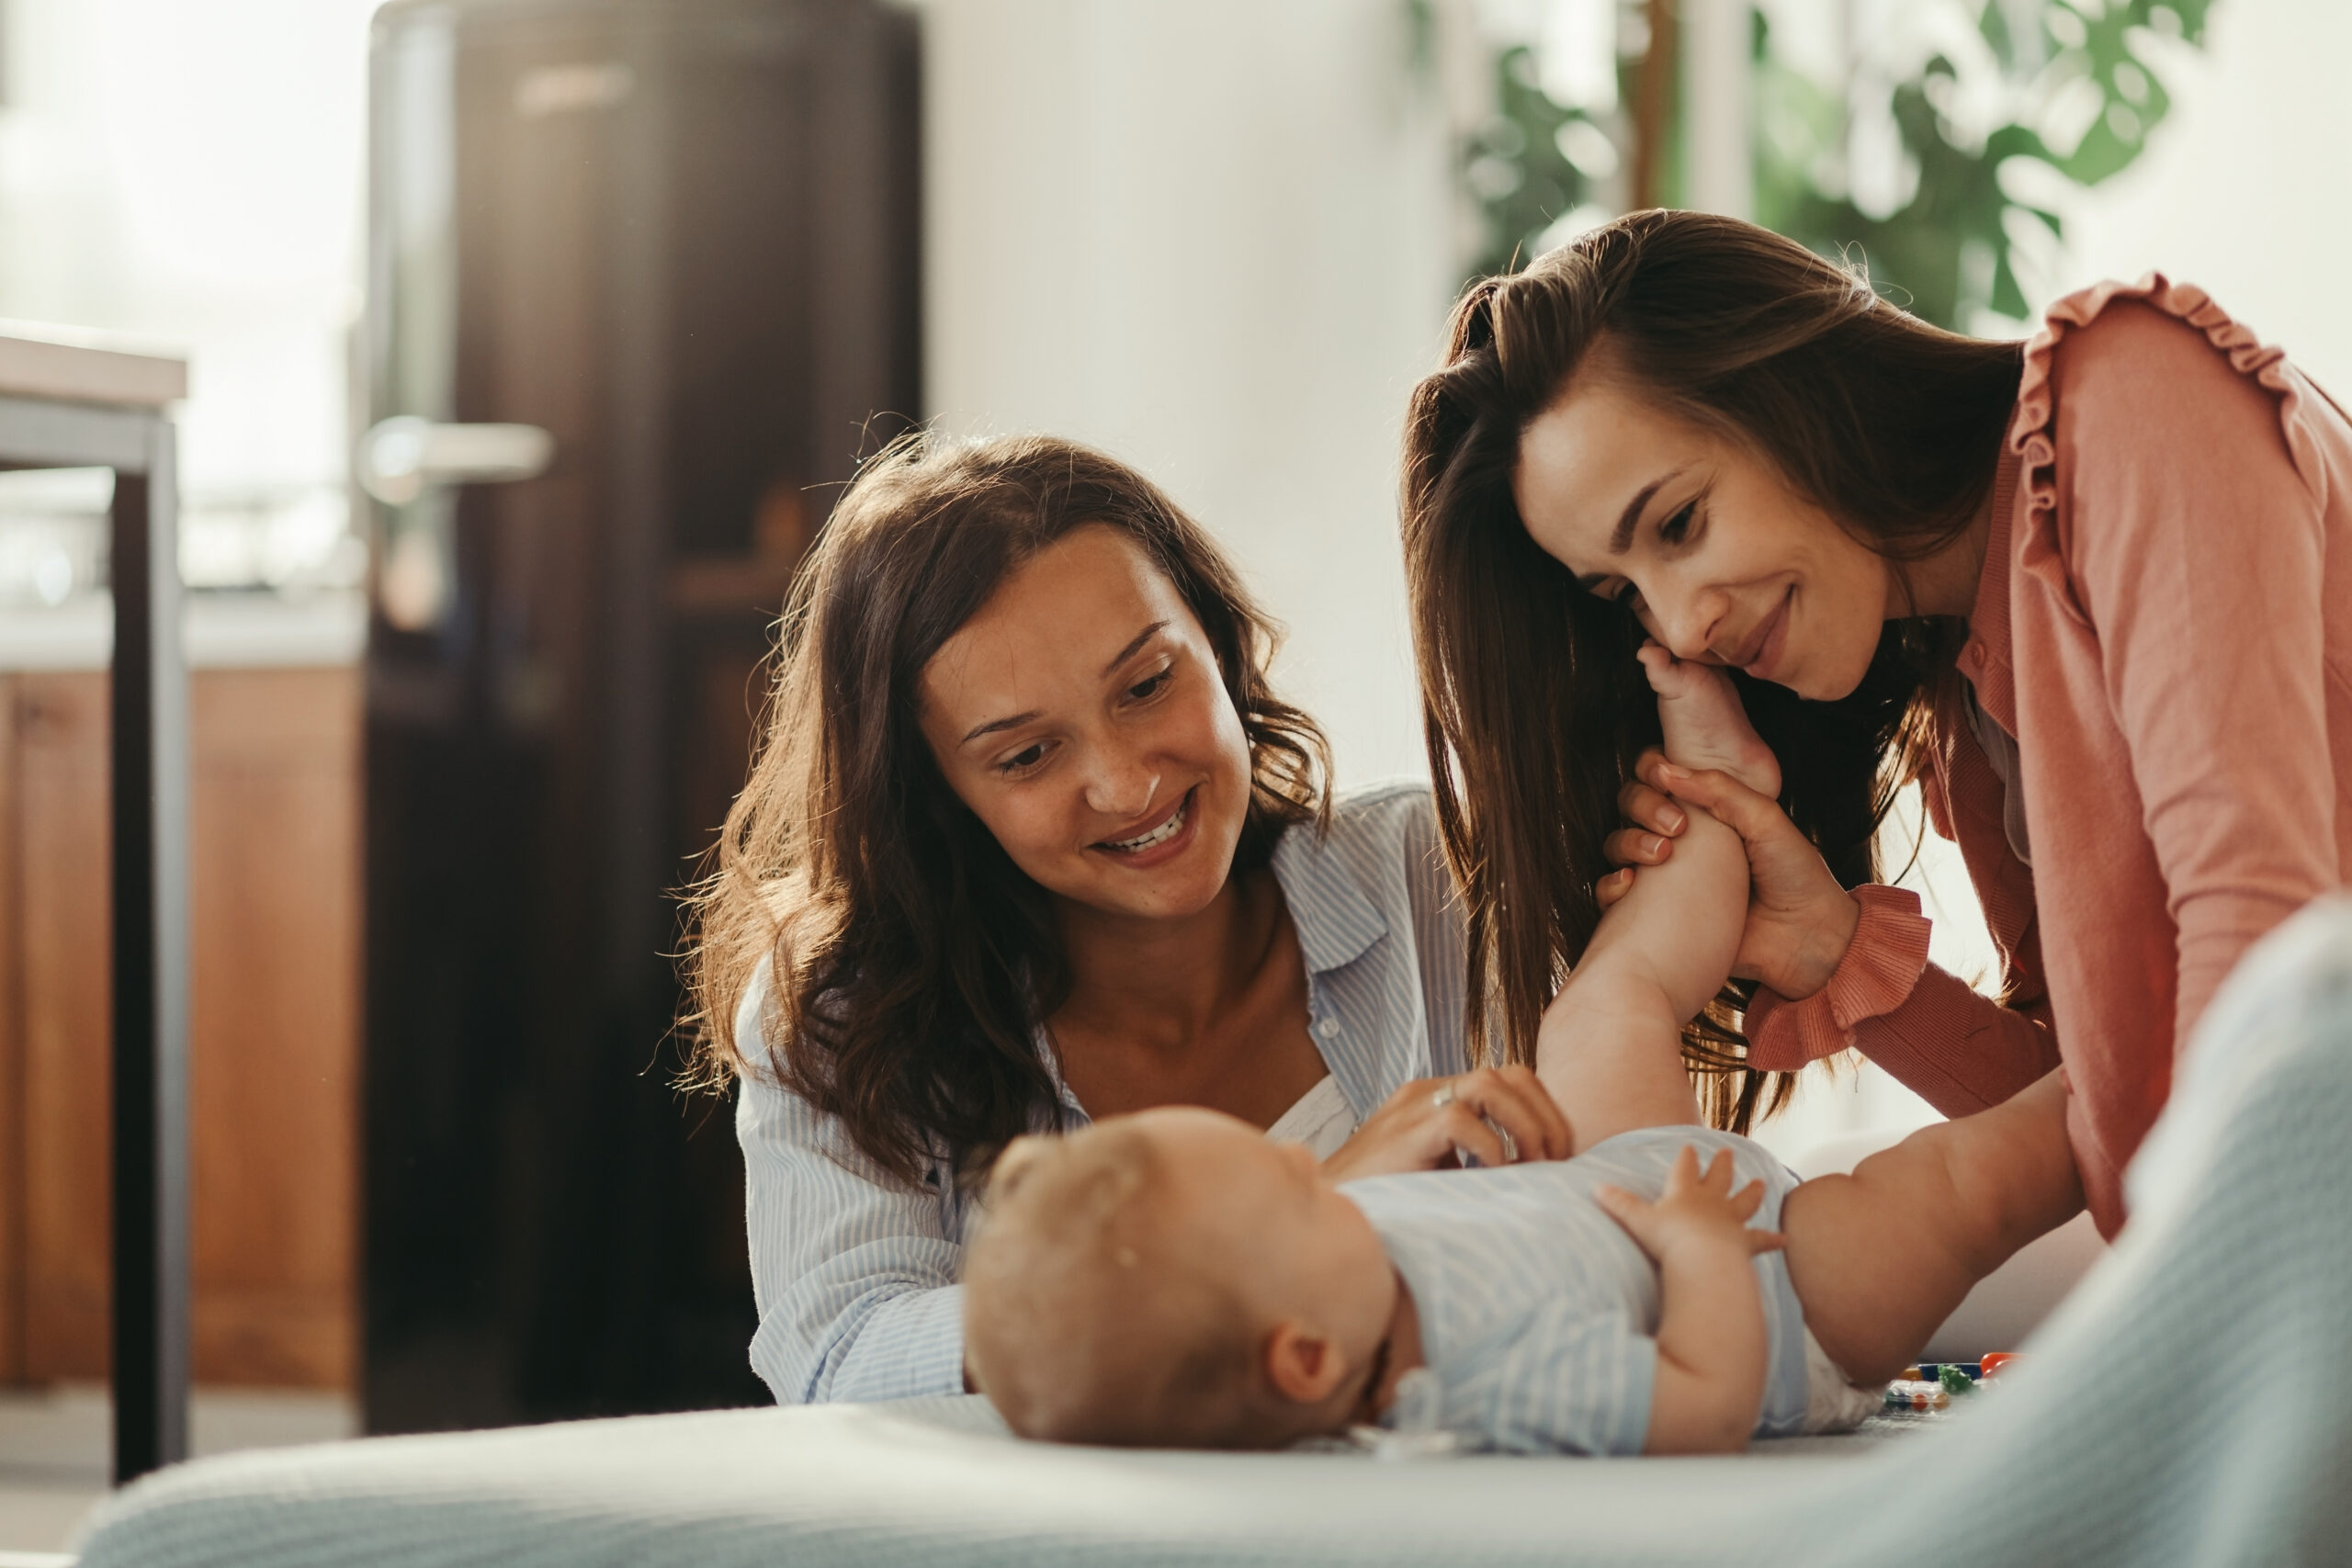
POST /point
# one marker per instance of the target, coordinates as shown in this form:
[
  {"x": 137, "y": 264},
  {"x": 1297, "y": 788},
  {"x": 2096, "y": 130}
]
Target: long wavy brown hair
[
  {"x": 1534, "y": 706},
  {"x": 912, "y": 961}
]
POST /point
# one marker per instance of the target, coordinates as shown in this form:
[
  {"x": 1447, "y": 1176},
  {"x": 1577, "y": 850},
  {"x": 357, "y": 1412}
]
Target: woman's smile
[
  {"x": 1767, "y": 649},
  {"x": 1163, "y": 840}
]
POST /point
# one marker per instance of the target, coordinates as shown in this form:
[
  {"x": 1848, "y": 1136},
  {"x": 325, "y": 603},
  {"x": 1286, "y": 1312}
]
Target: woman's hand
[
  {"x": 1800, "y": 921},
  {"x": 1427, "y": 1120}
]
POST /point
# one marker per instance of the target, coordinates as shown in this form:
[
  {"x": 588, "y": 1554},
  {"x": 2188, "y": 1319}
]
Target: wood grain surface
[{"x": 274, "y": 1037}]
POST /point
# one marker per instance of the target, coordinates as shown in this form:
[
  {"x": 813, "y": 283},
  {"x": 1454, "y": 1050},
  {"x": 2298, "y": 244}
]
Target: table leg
[{"x": 150, "y": 970}]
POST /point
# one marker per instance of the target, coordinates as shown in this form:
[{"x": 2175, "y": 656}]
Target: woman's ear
[{"x": 1303, "y": 1366}]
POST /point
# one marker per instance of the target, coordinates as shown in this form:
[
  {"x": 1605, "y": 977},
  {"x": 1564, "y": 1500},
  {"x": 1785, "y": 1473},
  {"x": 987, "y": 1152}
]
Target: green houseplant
[{"x": 2071, "y": 87}]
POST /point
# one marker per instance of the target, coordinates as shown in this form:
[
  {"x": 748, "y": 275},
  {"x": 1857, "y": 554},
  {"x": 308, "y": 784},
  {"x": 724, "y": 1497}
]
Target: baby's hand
[
  {"x": 1703, "y": 722},
  {"x": 1695, "y": 1210}
]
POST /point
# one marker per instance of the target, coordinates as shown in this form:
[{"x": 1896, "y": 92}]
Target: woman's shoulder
[
  {"x": 775, "y": 1116},
  {"x": 754, "y": 1015},
  {"x": 1380, "y": 851},
  {"x": 2146, "y": 363},
  {"x": 2122, "y": 332},
  {"x": 1388, "y": 824},
  {"x": 762, "y": 1085},
  {"x": 1390, "y": 807},
  {"x": 2124, "y": 376}
]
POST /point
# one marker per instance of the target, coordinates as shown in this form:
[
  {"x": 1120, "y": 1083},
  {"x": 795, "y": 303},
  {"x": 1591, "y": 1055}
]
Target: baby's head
[{"x": 1172, "y": 1278}]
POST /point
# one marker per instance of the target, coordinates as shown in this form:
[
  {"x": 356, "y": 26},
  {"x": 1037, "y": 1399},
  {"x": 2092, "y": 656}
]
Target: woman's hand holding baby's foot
[
  {"x": 1695, "y": 1210},
  {"x": 1705, "y": 727}
]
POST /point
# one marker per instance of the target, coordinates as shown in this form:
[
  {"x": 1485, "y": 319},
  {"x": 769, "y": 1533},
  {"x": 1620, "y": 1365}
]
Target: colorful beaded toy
[{"x": 1932, "y": 1385}]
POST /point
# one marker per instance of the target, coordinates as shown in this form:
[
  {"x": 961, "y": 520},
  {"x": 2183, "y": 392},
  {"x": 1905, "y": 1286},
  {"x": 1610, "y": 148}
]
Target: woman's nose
[
  {"x": 1120, "y": 785},
  {"x": 1686, "y": 623}
]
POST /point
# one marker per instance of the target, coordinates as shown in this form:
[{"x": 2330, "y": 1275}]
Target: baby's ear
[
  {"x": 1020, "y": 1157},
  {"x": 1302, "y": 1365}
]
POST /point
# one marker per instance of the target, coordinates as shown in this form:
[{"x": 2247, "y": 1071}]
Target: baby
[{"x": 1173, "y": 1278}]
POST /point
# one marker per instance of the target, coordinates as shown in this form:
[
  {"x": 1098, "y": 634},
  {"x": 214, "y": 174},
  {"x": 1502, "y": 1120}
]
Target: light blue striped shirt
[
  {"x": 1539, "y": 1313},
  {"x": 855, "y": 1272}
]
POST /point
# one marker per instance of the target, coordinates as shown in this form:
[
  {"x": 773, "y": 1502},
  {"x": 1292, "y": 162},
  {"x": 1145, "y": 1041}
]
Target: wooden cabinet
[{"x": 274, "y": 1028}]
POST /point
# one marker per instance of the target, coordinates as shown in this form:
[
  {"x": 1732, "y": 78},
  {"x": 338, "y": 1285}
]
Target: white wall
[
  {"x": 2245, "y": 189},
  {"x": 1216, "y": 239}
]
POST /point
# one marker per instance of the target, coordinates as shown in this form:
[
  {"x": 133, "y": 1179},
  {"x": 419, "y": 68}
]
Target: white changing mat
[
  {"x": 922, "y": 1483},
  {"x": 2191, "y": 1404}
]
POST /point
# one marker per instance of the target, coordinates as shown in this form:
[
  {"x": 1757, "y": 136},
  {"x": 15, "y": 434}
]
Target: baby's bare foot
[{"x": 1705, "y": 727}]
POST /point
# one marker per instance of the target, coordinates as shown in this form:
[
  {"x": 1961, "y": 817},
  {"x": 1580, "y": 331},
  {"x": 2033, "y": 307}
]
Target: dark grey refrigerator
[{"x": 642, "y": 284}]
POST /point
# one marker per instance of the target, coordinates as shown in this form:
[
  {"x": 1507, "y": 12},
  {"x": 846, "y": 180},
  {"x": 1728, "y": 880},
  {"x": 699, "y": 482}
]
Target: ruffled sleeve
[
  {"x": 2045, "y": 544},
  {"x": 1956, "y": 1048},
  {"x": 1882, "y": 965}
]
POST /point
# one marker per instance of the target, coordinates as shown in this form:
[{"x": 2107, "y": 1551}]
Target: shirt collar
[{"x": 1336, "y": 921}]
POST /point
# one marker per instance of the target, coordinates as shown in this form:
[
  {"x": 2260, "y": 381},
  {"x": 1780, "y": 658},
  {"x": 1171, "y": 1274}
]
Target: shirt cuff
[
  {"x": 1883, "y": 962},
  {"x": 908, "y": 1347}
]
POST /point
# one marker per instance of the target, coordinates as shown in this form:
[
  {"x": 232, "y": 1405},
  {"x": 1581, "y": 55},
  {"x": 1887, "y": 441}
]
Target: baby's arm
[{"x": 1711, "y": 1342}]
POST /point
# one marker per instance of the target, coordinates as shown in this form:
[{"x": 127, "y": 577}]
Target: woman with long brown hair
[
  {"x": 2093, "y": 592},
  {"x": 1031, "y": 840}
]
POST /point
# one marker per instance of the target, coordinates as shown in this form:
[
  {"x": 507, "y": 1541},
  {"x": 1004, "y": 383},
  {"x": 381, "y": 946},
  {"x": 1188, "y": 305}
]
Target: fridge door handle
[{"x": 399, "y": 456}]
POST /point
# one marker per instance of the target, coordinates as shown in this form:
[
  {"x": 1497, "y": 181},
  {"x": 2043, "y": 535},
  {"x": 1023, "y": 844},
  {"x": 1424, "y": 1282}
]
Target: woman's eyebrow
[
  {"x": 1128, "y": 652},
  {"x": 1016, "y": 720},
  {"x": 992, "y": 726},
  {"x": 1622, "y": 539}
]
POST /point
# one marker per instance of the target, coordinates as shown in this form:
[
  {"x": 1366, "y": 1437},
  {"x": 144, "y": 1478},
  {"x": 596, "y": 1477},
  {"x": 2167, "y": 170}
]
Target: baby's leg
[
  {"x": 1881, "y": 1258},
  {"x": 1704, "y": 726},
  {"x": 1610, "y": 1049}
]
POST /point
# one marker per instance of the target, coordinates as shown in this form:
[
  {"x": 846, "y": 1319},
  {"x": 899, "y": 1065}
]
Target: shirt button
[{"x": 1328, "y": 1028}]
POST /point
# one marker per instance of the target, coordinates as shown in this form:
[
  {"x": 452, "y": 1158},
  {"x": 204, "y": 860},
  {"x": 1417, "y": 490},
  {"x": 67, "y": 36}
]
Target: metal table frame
[{"x": 149, "y": 818}]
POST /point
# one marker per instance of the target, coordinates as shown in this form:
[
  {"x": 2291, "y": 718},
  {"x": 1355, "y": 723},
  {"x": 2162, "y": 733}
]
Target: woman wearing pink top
[{"x": 2094, "y": 592}]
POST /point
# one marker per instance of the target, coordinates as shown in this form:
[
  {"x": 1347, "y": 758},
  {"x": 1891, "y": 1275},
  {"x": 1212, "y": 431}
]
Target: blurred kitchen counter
[
  {"x": 219, "y": 631},
  {"x": 275, "y": 743}
]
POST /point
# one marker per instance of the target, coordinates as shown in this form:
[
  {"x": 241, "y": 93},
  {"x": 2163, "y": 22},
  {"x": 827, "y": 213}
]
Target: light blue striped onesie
[{"x": 1538, "y": 1311}]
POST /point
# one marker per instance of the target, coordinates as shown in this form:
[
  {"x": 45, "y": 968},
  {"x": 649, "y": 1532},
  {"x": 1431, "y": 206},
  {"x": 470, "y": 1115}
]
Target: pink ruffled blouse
[{"x": 2164, "y": 625}]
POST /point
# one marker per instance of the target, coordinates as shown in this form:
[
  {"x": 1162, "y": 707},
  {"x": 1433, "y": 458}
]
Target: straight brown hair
[
  {"x": 912, "y": 961},
  {"x": 1533, "y": 707}
]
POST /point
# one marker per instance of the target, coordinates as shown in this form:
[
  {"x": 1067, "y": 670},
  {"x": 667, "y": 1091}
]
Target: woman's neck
[
  {"x": 1945, "y": 583},
  {"x": 1164, "y": 982}
]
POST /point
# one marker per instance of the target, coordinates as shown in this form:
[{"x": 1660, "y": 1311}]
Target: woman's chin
[
  {"x": 1825, "y": 680},
  {"x": 1173, "y": 889}
]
